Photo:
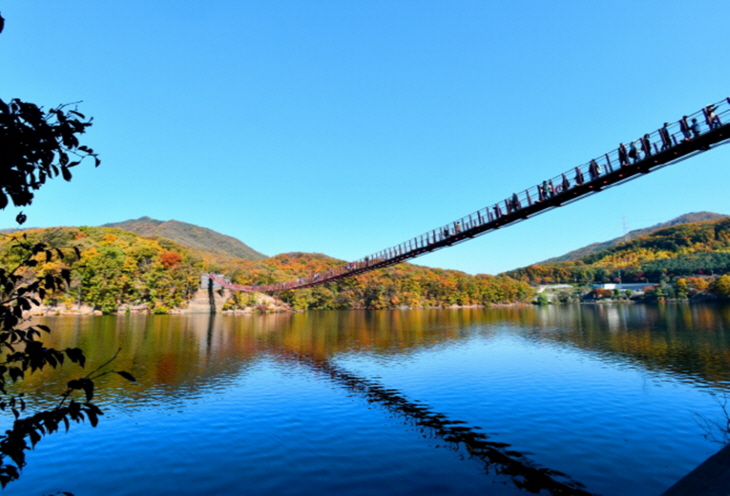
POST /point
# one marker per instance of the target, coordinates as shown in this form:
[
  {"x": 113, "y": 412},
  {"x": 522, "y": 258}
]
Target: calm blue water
[{"x": 614, "y": 397}]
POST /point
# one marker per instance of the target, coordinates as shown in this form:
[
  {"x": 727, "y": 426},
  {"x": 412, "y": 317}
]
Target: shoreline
[
  {"x": 266, "y": 304},
  {"x": 62, "y": 310}
]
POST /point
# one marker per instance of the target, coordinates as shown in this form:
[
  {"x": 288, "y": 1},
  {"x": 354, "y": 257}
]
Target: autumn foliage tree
[
  {"x": 695, "y": 249},
  {"x": 402, "y": 285},
  {"x": 116, "y": 269},
  {"x": 721, "y": 287},
  {"x": 170, "y": 259}
]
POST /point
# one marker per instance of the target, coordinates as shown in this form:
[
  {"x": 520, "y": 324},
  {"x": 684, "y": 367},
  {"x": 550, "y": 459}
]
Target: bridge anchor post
[{"x": 211, "y": 296}]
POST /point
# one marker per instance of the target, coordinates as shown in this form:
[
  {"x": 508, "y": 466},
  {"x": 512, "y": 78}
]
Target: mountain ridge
[
  {"x": 694, "y": 249},
  {"x": 577, "y": 254},
  {"x": 190, "y": 236}
]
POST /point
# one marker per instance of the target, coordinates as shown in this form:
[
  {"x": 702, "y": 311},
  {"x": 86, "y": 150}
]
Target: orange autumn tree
[{"x": 170, "y": 259}]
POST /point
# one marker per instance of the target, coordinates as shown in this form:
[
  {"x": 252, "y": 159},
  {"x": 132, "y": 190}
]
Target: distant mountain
[
  {"x": 575, "y": 255},
  {"x": 190, "y": 236},
  {"x": 694, "y": 249}
]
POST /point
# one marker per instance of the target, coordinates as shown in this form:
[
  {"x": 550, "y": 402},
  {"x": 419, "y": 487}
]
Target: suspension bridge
[{"x": 675, "y": 142}]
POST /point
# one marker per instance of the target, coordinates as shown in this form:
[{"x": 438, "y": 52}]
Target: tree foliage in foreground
[
  {"x": 36, "y": 146},
  {"x": 22, "y": 352}
]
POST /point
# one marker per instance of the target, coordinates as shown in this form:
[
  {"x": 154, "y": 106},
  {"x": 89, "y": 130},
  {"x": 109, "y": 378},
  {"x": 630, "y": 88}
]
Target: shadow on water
[{"x": 496, "y": 457}]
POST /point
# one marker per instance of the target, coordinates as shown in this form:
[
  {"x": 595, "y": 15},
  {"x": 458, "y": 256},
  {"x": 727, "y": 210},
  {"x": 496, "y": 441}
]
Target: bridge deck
[{"x": 669, "y": 145}]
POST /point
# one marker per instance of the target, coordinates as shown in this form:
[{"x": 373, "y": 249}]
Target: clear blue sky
[{"x": 344, "y": 127}]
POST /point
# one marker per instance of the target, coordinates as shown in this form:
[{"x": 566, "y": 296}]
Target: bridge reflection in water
[
  {"x": 177, "y": 353},
  {"x": 564, "y": 385},
  {"x": 497, "y": 458}
]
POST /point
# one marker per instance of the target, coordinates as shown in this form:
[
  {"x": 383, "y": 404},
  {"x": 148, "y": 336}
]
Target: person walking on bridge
[
  {"x": 578, "y": 176},
  {"x": 684, "y": 127},
  {"x": 594, "y": 169},
  {"x": 623, "y": 155},
  {"x": 566, "y": 184},
  {"x": 712, "y": 118},
  {"x": 666, "y": 138},
  {"x": 516, "y": 205},
  {"x": 646, "y": 145},
  {"x": 633, "y": 152},
  {"x": 546, "y": 190},
  {"x": 695, "y": 128}
]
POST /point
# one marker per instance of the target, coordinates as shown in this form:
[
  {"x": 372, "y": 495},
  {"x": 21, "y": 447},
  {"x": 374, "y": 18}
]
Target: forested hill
[
  {"x": 119, "y": 269},
  {"x": 694, "y": 249},
  {"x": 190, "y": 236},
  {"x": 402, "y": 285},
  {"x": 574, "y": 255}
]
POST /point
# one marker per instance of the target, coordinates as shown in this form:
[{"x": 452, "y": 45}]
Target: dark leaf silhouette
[
  {"x": 88, "y": 387},
  {"x": 126, "y": 375},
  {"x": 35, "y": 146}
]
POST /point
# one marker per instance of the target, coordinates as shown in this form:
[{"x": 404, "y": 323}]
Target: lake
[{"x": 621, "y": 399}]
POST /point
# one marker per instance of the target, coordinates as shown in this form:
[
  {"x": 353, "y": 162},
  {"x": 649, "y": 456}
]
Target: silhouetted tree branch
[{"x": 35, "y": 146}]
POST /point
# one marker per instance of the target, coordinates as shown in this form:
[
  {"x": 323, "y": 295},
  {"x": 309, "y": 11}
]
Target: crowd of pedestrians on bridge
[
  {"x": 637, "y": 151},
  {"x": 550, "y": 192}
]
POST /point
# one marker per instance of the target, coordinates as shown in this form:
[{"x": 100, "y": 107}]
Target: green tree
[
  {"x": 721, "y": 286},
  {"x": 104, "y": 278},
  {"x": 564, "y": 296}
]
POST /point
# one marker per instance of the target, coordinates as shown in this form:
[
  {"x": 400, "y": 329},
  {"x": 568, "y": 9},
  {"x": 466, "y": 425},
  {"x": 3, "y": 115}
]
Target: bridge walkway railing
[{"x": 674, "y": 142}]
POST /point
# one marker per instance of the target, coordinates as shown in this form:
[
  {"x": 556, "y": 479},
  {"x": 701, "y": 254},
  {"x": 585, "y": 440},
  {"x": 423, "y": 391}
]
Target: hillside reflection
[
  {"x": 690, "y": 341},
  {"x": 177, "y": 355}
]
